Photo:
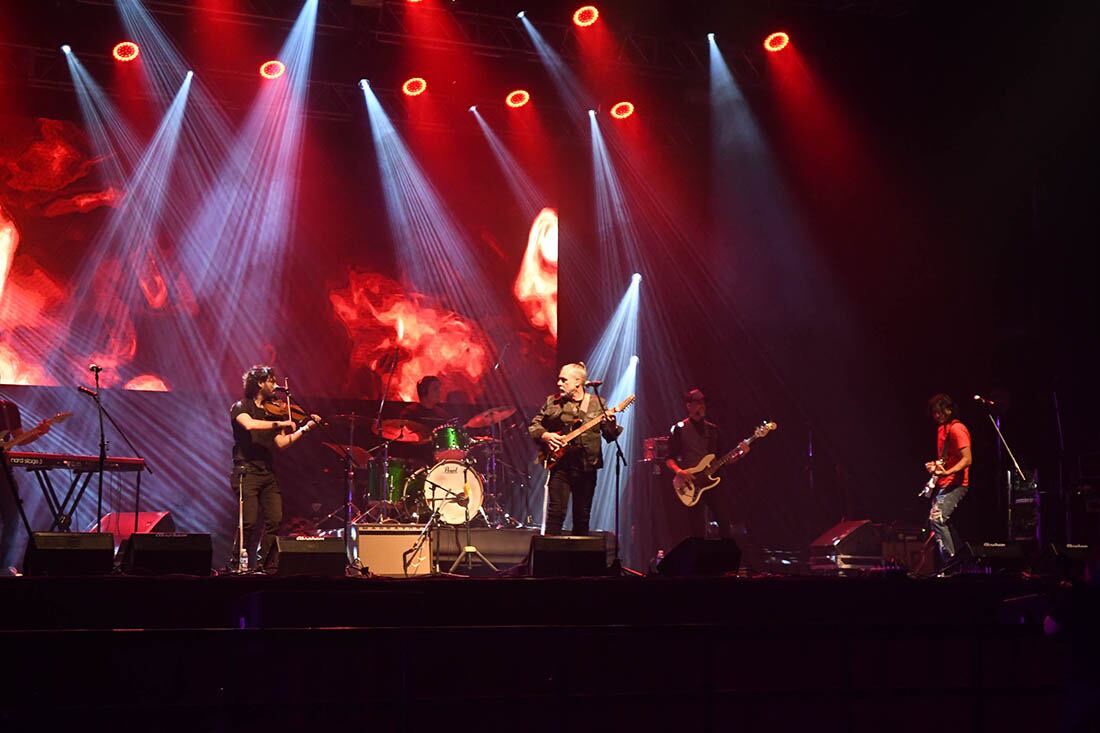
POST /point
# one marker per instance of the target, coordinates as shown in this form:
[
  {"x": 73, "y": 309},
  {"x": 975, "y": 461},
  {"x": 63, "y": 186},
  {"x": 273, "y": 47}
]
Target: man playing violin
[{"x": 255, "y": 436}]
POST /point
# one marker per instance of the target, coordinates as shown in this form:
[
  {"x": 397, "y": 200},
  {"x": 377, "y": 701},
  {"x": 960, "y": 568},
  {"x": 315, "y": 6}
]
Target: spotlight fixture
[
  {"x": 190, "y": 73},
  {"x": 710, "y": 36},
  {"x": 633, "y": 358},
  {"x": 776, "y": 42},
  {"x": 414, "y": 87},
  {"x": 585, "y": 16},
  {"x": 521, "y": 14},
  {"x": 66, "y": 49},
  {"x": 591, "y": 113},
  {"x": 517, "y": 99},
  {"x": 272, "y": 69},
  {"x": 636, "y": 277},
  {"x": 473, "y": 108},
  {"x": 363, "y": 84},
  {"x": 622, "y": 110},
  {"x": 126, "y": 51}
]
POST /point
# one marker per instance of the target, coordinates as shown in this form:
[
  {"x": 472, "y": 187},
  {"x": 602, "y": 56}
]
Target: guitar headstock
[
  {"x": 765, "y": 427},
  {"x": 60, "y": 417},
  {"x": 624, "y": 404}
]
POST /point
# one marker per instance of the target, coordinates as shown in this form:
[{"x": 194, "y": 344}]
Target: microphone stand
[
  {"x": 103, "y": 412},
  {"x": 1019, "y": 471},
  {"x": 620, "y": 460}
]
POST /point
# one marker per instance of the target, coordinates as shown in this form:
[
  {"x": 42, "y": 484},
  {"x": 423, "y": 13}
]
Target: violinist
[{"x": 260, "y": 425}]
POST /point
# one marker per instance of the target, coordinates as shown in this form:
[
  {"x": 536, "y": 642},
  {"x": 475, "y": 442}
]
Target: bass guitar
[
  {"x": 550, "y": 458},
  {"x": 690, "y": 488}
]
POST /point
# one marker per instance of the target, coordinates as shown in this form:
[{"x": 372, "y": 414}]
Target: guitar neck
[
  {"x": 735, "y": 453},
  {"x": 583, "y": 428}
]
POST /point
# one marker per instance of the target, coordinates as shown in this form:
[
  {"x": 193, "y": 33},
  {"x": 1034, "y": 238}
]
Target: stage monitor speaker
[
  {"x": 69, "y": 553},
  {"x": 846, "y": 546},
  {"x": 166, "y": 553},
  {"x": 697, "y": 556},
  {"x": 568, "y": 557},
  {"x": 121, "y": 524},
  {"x": 1006, "y": 556},
  {"x": 311, "y": 556},
  {"x": 385, "y": 548}
]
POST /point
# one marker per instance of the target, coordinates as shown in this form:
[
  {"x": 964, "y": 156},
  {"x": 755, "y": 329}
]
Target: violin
[{"x": 277, "y": 409}]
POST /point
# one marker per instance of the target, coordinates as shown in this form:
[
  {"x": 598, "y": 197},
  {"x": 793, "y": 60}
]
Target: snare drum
[
  {"x": 443, "y": 486},
  {"x": 450, "y": 443}
]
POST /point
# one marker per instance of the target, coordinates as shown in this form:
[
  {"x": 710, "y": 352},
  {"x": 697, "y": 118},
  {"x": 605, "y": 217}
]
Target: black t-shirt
[{"x": 257, "y": 447}]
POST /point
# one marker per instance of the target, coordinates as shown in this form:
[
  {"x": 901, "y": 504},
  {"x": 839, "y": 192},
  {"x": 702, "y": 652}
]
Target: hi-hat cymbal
[
  {"x": 490, "y": 417},
  {"x": 403, "y": 431}
]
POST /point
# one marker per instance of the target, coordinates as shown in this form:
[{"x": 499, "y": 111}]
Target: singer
[
  {"x": 575, "y": 474},
  {"x": 953, "y": 476},
  {"x": 255, "y": 435}
]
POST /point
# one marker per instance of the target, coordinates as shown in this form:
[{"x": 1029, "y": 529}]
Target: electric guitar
[
  {"x": 689, "y": 489},
  {"x": 930, "y": 485},
  {"x": 550, "y": 457},
  {"x": 29, "y": 436}
]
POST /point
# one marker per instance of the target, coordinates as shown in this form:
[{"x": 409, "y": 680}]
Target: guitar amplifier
[{"x": 384, "y": 549}]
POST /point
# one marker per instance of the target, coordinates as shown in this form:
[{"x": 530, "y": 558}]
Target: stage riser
[{"x": 406, "y": 678}]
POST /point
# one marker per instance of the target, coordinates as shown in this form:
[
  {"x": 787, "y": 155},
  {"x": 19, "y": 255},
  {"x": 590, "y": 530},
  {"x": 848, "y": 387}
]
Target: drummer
[{"x": 427, "y": 411}]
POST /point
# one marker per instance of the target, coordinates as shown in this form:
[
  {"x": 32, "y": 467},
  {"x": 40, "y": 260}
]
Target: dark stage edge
[{"x": 264, "y": 653}]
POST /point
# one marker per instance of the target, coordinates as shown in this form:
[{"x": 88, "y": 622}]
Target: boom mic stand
[{"x": 102, "y": 412}]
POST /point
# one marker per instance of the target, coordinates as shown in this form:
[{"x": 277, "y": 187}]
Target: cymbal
[
  {"x": 349, "y": 417},
  {"x": 490, "y": 417},
  {"x": 403, "y": 431}
]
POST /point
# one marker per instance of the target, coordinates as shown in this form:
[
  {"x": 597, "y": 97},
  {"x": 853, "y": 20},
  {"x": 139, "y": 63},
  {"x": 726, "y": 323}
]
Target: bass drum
[{"x": 443, "y": 487}]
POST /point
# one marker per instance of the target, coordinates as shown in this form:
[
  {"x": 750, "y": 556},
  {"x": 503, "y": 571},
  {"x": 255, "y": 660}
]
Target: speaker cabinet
[
  {"x": 121, "y": 524},
  {"x": 311, "y": 556},
  {"x": 697, "y": 556},
  {"x": 69, "y": 553},
  {"x": 386, "y": 549},
  {"x": 998, "y": 556},
  {"x": 567, "y": 556},
  {"x": 165, "y": 553}
]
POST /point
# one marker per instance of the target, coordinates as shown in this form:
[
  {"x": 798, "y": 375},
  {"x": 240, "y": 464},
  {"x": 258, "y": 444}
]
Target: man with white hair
[{"x": 574, "y": 474}]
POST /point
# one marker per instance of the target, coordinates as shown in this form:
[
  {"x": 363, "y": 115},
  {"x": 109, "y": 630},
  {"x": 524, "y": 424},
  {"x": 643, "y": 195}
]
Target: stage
[{"x": 745, "y": 653}]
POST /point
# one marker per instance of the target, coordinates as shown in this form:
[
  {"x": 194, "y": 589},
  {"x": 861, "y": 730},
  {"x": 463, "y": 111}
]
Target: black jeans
[
  {"x": 944, "y": 505},
  {"x": 260, "y": 490},
  {"x": 581, "y": 484}
]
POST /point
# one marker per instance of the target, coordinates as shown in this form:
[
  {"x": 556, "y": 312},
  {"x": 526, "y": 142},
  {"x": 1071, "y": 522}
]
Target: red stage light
[
  {"x": 126, "y": 51},
  {"x": 272, "y": 69},
  {"x": 586, "y": 16},
  {"x": 776, "y": 42},
  {"x": 414, "y": 87},
  {"x": 622, "y": 110},
  {"x": 518, "y": 98}
]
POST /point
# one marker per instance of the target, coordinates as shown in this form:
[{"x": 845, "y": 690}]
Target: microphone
[
  {"x": 983, "y": 401},
  {"x": 95, "y": 368},
  {"x": 84, "y": 390},
  {"x": 594, "y": 383},
  {"x": 281, "y": 388}
]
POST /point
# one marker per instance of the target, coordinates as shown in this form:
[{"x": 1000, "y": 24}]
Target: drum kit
[{"x": 452, "y": 491}]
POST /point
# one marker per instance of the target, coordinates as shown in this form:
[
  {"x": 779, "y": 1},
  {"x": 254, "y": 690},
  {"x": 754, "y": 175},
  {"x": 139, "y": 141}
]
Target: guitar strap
[{"x": 584, "y": 405}]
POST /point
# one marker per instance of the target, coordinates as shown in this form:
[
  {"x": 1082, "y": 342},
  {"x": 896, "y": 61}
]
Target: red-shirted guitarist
[{"x": 952, "y": 469}]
